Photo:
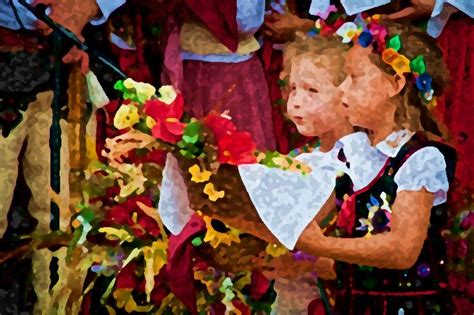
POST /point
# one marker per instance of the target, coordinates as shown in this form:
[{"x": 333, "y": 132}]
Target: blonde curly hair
[{"x": 327, "y": 52}]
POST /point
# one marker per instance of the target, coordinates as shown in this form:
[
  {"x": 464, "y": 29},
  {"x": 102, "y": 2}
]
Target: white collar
[
  {"x": 394, "y": 142},
  {"x": 355, "y": 145}
]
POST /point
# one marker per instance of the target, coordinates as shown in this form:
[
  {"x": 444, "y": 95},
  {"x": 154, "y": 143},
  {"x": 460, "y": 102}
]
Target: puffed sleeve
[
  {"x": 287, "y": 202},
  {"x": 426, "y": 168},
  {"x": 442, "y": 12},
  {"x": 250, "y": 15},
  {"x": 106, "y": 8},
  {"x": 357, "y": 6},
  {"x": 173, "y": 205}
]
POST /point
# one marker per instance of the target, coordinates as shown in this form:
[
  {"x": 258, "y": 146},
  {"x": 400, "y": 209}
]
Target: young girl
[
  {"x": 286, "y": 202},
  {"x": 391, "y": 252}
]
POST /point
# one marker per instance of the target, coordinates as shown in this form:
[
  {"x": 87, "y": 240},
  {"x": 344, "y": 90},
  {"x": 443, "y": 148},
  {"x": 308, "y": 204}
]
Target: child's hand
[
  {"x": 287, "y": 267},
  {"x": 76, "y": 55},
  {"x": 325, "y": 268},
  {"x": 72, "y": 14},
  {"x": 283, "y": 27},
  {"x": 418, "y": 9}
]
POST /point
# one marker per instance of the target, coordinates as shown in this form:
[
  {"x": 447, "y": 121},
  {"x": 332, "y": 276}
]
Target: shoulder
[{"x": 425, "y": 168}]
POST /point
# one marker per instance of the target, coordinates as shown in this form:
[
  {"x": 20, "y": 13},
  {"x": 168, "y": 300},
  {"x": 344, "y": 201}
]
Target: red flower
[
  {"x": 168, "y": 127},
  {"x": 259, "y": 285},
  {"x": 127, "y": 278},
  {"x": 123, "y": 214},
  {"x": 159, "y": 110},
  {"x": 234, "y": 147},
  {"x": 220, "y": 126},
  {"x": 169, "y": 130}
]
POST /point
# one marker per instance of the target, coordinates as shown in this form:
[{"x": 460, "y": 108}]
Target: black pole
[
  {"x": 55, "y": 144},
  {"x": 67, "y": 36}
]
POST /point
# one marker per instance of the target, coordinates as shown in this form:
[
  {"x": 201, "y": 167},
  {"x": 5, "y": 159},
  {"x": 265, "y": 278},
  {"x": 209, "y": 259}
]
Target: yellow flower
[
  {"x": 155, "y": 259},
  {"x": 197, "y": 175},
  {"x": 212, "y": 193},
  {"x": 150, "y": 122},
  {"x": 401, "y": 64},
  {"x": 398, "y": 62},
  {"x": 126, "y": 116},
  {"x": 219, "y": 233},
  {"x": 144, "y": 91},
  {"x": 167, "y": 94},
  {"x": 116, "y": 234},
  {"x": 282, "y": 162},
  {"x": 129, "y": 83},
  {"x": 275, "y": 250},
  {"x": 135, "y": 182}
]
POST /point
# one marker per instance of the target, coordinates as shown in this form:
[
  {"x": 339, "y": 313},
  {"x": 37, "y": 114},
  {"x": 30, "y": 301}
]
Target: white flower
[
  {"x": 167, "y": 94},
  {"x": 428, "y": 95},
  {"x": 347, "y": 31}
]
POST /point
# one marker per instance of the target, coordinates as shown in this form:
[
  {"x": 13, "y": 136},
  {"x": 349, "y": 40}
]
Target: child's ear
[{"x": 398, "y": 83}]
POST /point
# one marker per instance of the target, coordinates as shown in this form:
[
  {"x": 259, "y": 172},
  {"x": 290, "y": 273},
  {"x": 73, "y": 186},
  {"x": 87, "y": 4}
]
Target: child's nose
[{"x": 344, "y": 86}]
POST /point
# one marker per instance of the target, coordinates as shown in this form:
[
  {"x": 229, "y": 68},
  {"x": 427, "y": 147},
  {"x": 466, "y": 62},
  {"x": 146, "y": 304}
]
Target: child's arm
[
  {"x": 397, "y": 249},
  {"x": 328, "y": 208}
]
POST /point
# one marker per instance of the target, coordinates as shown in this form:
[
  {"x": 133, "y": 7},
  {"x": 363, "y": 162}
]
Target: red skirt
[{"x": 240, "y": 88}]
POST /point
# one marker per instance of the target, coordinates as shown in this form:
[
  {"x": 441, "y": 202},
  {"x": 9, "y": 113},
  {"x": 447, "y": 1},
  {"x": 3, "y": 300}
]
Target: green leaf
[
  {"x": 191, "y": 139},
  {"x": 119, "y": 86},
  {"x": 418, "y": 64},
  {"x": 197, "y": 241},
  {"x": 395, "y": 43},
  {"x": 87, "y": 214}
]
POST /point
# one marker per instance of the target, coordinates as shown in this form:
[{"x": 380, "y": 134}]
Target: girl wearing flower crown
[
  {"x": 387, "y": 239},
  {"x": 315, "y": 70}
]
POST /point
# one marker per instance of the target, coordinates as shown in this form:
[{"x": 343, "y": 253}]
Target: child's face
[
  {"x": 314, "y": 103},
  {"x": 367, "y": 89}
]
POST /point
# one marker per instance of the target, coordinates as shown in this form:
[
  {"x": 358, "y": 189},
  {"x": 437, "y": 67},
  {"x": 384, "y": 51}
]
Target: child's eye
[{"x": 313, "y": 90}]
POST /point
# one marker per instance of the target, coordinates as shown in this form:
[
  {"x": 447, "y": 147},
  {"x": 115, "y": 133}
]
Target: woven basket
[
  {"x": 236, "y": 205},
  {"x": 235, "y": 209}
]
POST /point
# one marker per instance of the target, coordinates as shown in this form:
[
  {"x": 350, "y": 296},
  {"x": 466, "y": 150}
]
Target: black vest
[{"x": 359, "y": 288}]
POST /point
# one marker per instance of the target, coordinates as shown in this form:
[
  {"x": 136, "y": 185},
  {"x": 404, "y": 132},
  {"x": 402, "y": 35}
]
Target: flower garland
[{"x": 367, "y": 32}]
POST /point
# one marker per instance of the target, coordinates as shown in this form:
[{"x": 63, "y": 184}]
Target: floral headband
[{"x": 369, "y": 32}]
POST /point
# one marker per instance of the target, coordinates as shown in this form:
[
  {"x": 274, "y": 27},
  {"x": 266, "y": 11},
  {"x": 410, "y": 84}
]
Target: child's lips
[{"x": 298, "y": 119}]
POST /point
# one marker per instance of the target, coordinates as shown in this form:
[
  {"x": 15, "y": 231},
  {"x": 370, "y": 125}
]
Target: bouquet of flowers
[{"x": 118, "y": 223}]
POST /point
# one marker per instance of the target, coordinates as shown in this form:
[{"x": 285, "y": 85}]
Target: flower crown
[{"x": 369, "y": 32}]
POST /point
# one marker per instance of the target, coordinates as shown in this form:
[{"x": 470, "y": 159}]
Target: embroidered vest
[{"x": 368, "y": 210}]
